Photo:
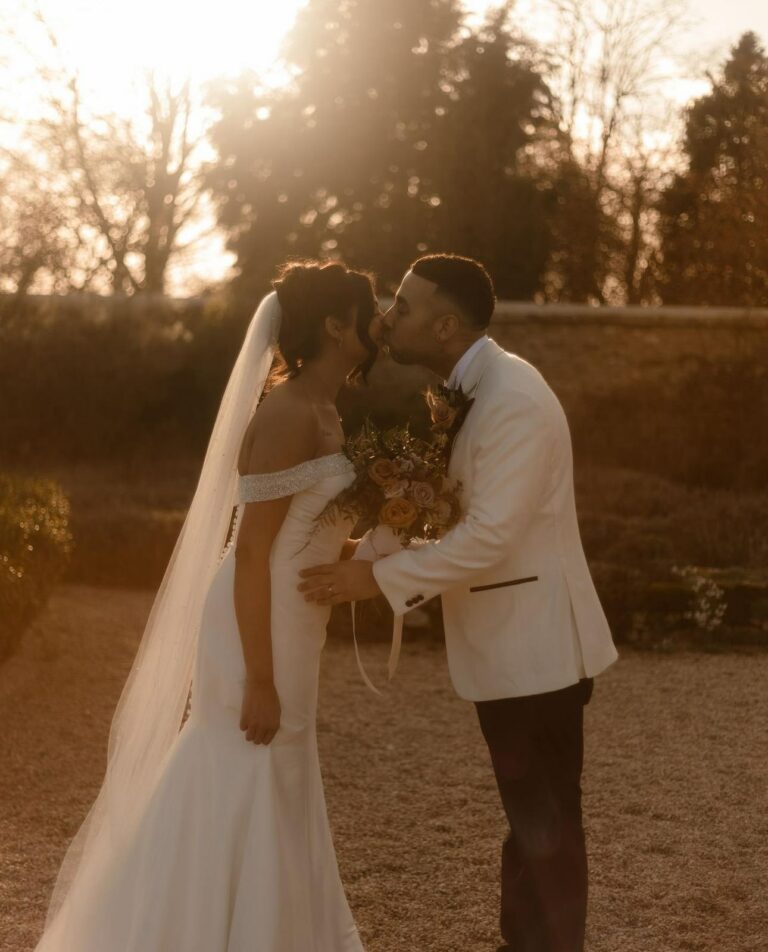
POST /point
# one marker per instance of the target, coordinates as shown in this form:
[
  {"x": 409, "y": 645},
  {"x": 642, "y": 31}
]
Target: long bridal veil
[{"x": 152, "y": 704}]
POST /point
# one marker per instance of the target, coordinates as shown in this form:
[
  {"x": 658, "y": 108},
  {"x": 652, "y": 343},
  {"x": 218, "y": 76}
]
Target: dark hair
[
  {"x": 465, "y": 281},
  {"x": 310, "y": 291}
]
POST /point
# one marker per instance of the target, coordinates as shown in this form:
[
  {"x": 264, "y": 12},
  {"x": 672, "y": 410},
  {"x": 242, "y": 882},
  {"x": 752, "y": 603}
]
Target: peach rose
[
  {"x": 423, "y": 495},
  {"x": 395, "y": 487},
  {"x": 398, "y": 513},
  {"x": 382, "y": 471},
  {"x": 442, "y": 413}
]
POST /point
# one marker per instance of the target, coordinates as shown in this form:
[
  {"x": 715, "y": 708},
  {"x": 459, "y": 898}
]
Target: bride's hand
[{"x": 260, "y": 712}]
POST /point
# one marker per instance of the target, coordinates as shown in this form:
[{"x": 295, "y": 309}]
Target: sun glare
[{"x": 113, "y": 41}]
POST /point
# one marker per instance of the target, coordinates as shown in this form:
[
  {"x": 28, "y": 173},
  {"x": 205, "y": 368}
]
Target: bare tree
[
  {"x": 29, "y": 239},
  {"x": 122, "y": 188},
  {"x": 133, "y": 189},
  {"x": 611, "y": 58},
  {"x": 646, "y": 168},
  {"x": 609, "y": 63},
  {"x": 28, "y": 232}
]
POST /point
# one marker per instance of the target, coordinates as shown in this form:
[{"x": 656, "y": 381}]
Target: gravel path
[{"x": 675, "y": 789}]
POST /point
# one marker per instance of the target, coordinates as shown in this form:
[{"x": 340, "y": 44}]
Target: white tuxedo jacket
[{"x": 520, "y": 611}]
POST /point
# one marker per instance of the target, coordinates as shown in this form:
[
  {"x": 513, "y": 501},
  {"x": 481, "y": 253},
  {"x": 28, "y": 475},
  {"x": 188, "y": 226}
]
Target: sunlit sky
[
  {"x": 114, "y": 39},
  {"x": 113, "y": 42}
]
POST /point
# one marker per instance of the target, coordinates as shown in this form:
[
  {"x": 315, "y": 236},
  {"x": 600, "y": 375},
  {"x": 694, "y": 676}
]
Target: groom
[{"x": 524, "y": 630}]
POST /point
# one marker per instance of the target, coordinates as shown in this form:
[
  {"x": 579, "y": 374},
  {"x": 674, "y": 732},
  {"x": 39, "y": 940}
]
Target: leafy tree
[
  {"x": 581, "y": 232},
  {"x": 714, "y": 215},
  {"x": 492, "y": 198},
  {"x": 402, "y": 132},
  {"x": 342, "y": 162}
]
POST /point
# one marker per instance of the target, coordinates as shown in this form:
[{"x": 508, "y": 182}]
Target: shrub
[
  {"x": 112, "y": 379},
  {"x": 646, "y": 539},
  {"x": 126, "y": 518},
  {"x": 642, "y": 520},
  {"x": 34, "y": 548}
]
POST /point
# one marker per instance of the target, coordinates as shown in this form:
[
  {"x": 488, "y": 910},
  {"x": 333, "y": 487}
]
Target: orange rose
[
  {"x": 398, "y": 513},
  {"x": 382, "y": 471}
]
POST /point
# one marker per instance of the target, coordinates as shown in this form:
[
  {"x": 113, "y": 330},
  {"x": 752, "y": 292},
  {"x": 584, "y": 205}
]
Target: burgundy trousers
[{"x": 536, "y": 747}]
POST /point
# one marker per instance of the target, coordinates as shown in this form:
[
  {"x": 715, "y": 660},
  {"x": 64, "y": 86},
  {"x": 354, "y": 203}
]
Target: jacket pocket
[{"x": 514, "y": 581}]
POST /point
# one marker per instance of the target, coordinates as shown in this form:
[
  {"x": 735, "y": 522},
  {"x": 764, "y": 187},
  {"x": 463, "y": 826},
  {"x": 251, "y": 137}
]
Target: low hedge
[
  {"x": 111, "y": 379},
  {"x": 702, "y": 428},
  {"x": 35, "y": 544},
  {"x": 123, "y": 548},
  {"x": 649, "y": 542}
]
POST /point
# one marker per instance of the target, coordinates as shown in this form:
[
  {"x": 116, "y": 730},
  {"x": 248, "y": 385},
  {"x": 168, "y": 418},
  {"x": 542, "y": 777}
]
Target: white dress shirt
[{"x": 457, "y": 374}]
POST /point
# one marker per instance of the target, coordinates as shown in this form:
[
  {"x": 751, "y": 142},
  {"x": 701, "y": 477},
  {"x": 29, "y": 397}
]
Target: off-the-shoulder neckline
[{"x": 306, "y": 462}]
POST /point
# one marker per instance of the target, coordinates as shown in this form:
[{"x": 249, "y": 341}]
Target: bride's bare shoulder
[
  {"x": 285, "y": 403},
  {"x": 284, "y": 431}
]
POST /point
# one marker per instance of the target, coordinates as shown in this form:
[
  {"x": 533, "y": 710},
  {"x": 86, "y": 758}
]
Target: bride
[{"x": 210, "y": 834}]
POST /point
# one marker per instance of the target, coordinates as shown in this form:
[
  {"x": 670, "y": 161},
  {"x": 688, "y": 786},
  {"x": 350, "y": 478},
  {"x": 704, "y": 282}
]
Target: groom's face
[{"x": 409, "y": 324}]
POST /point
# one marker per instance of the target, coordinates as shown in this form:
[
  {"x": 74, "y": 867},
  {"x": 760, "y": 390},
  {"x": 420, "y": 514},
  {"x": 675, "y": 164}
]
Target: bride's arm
[
  {"x": 273, "y": 447},
  {"x": 349, "y": 548}
]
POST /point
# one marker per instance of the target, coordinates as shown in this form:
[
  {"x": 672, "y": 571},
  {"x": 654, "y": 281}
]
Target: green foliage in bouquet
[
  {"x": 35, "y": 544},
  {"x": 401, "y": 482}
]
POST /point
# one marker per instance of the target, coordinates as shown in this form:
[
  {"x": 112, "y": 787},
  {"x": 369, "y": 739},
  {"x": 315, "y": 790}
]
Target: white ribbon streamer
[
  {"x": 374, "y": 545},
  {"x": 394, "y": 651}
]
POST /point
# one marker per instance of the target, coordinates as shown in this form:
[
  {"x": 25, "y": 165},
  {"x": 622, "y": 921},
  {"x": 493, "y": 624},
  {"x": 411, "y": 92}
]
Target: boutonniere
[{"x": 448, "y": 406}]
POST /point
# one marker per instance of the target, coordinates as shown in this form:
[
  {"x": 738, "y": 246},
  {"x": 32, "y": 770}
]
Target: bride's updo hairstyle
[{"x": 309, "y": 292}]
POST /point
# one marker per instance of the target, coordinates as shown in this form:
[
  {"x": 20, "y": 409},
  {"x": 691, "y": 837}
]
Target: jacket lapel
[{"x": 471, "y": 381}]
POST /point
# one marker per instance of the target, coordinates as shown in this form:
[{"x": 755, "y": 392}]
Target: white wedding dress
[{"x": 233, "y": 852}]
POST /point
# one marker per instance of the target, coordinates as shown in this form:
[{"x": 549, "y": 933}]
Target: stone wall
[{"x": 585, "y": 351}]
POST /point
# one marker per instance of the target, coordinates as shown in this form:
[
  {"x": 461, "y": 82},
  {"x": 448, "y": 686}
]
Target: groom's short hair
[{"x": 465, "y": 281}]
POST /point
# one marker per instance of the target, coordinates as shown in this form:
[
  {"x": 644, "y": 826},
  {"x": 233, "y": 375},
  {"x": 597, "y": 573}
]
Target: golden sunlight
[{"x": 113, "y": 41}]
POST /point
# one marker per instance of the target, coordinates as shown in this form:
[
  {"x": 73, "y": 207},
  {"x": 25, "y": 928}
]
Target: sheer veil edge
[{"x": 152, "y": 704}]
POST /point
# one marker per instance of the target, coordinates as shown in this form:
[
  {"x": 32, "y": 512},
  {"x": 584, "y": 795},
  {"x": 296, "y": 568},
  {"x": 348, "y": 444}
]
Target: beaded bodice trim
[{"x": 259, "y": 487}]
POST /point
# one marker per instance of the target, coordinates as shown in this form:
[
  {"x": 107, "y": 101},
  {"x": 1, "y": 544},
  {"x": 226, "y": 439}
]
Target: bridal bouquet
[{"x": 401, "y": 482}]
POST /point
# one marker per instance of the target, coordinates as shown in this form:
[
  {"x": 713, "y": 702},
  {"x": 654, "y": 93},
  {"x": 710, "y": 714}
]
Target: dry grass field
[{"x": 675, "y": 789}]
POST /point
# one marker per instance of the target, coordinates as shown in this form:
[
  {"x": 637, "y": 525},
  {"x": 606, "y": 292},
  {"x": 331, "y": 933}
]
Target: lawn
[{"x": 675, "y": 788}]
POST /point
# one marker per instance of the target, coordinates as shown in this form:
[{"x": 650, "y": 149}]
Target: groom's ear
[{"x": 446, "y": 326}]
